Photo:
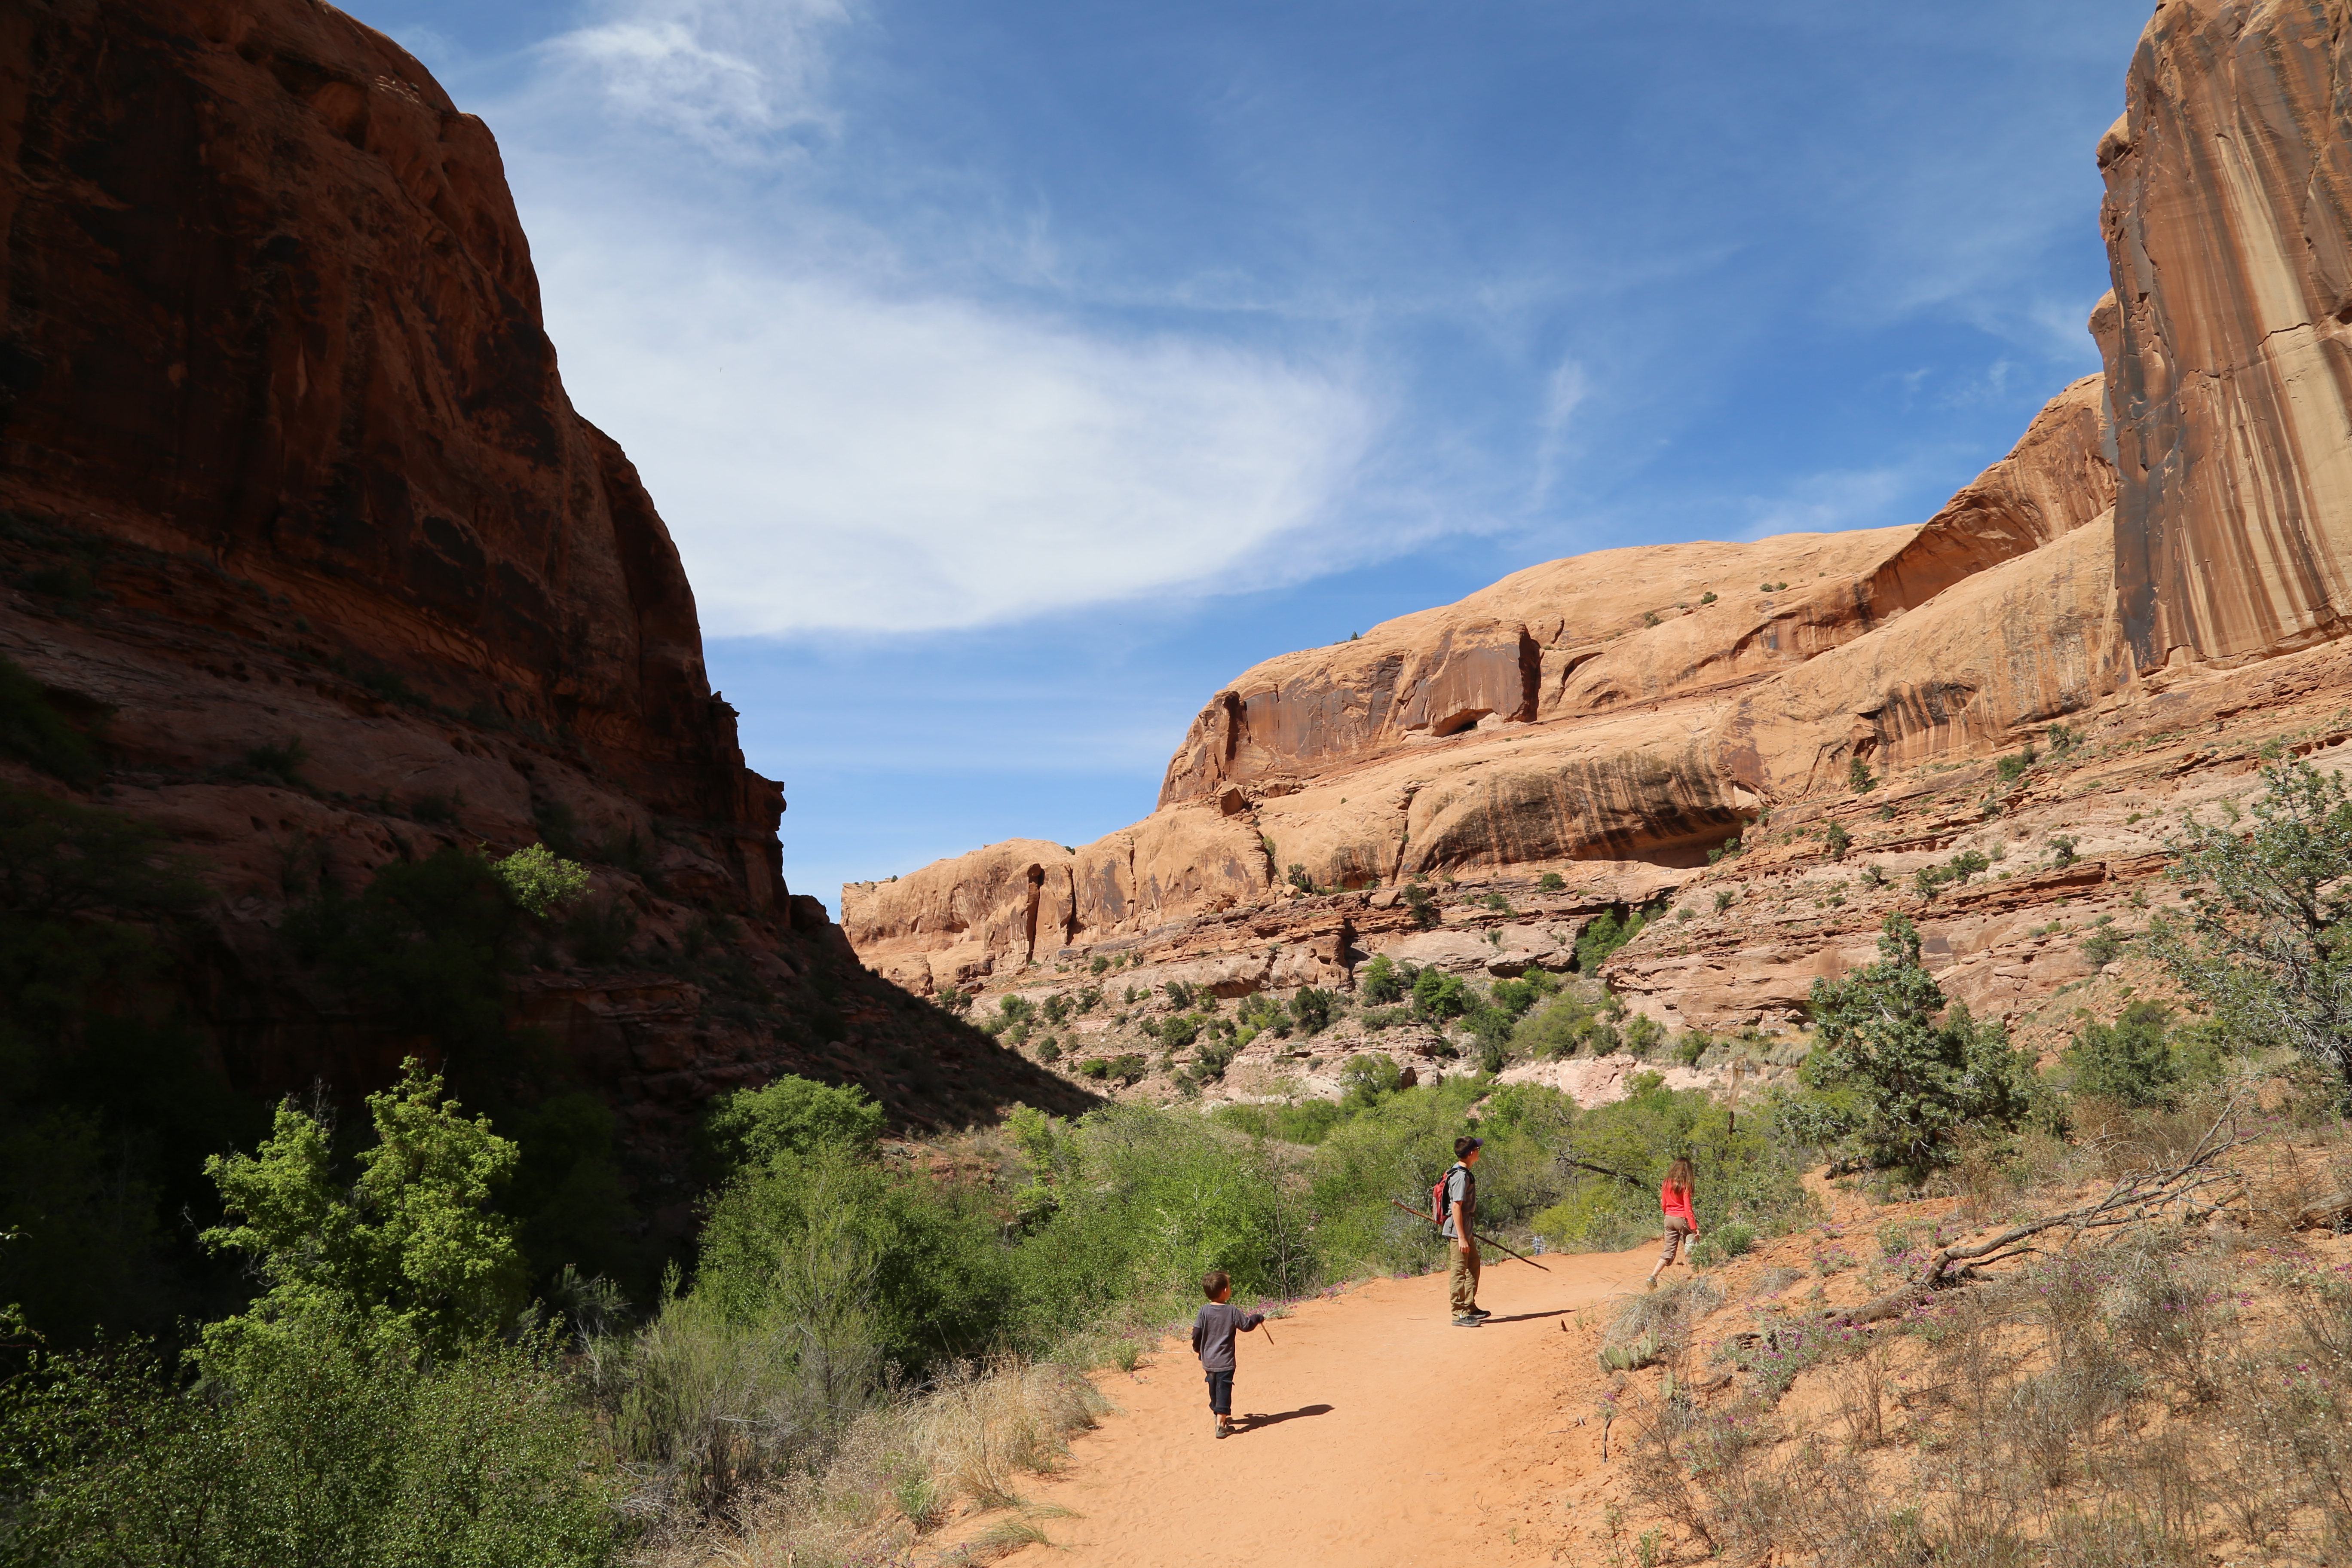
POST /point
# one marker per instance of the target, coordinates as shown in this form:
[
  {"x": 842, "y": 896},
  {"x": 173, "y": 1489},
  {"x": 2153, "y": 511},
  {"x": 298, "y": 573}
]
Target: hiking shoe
[
  {"x": 1467, "y": 1322},
  {"x": 1479, "y": 1312},
  {"x": 1224, "y": 1430}
]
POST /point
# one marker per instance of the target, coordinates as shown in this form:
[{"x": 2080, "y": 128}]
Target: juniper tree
[
  {"x": 2265, "y": 944},
  {"x": 1922, "y": 1069}
]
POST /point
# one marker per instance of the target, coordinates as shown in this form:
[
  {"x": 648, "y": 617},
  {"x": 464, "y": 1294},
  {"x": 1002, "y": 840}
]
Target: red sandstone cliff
[{"x": 285, "y": 457}]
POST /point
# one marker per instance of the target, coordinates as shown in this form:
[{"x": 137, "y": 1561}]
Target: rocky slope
[
  {"x": 2154, "y": 572},
  {"x": 302, "y": 529}
]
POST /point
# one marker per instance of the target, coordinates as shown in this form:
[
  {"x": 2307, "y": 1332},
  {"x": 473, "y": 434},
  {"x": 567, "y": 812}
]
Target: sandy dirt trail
[{"x": 1376, "y": 1433}]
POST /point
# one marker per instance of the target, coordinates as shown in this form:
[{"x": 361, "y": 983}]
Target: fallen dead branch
[{"x": 2133, "y": 1199}]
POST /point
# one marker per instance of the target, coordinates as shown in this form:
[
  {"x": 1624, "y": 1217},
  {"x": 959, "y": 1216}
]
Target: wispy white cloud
[
  {"x": 834, "y": 455},
  {"x": 1564, "y": 390},
  {"x": 845, "y": 435},
  {"x": 724, "y": 75}
]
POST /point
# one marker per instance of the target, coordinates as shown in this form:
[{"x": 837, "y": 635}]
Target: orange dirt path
[{"x": 1374, "y": 1432}]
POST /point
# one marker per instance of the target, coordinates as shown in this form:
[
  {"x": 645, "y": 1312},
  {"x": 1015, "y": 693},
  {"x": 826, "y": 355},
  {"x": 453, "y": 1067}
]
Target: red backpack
[{"x": 1437, "y": 1193}]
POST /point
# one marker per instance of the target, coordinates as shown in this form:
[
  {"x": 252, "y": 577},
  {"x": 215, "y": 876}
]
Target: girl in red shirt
[{"x": 1675, "y": 1199}]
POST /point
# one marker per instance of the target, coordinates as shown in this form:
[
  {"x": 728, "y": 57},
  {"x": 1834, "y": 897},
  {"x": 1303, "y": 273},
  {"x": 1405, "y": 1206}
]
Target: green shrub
[
  {"x": 1514, "y": 996},
  {"x": 1422, "y": 907},
  {"x": 1643, "y": 1035},
  {"x": 1308, "y": 1121},
  {"x": 1551, "y": 882},
  {"x": 1313, "y": 1009},
  {"x": 538, "y": 881},
  {"x": 1603, "y": 935},
  {"x": 1857, "y": 776},
  {"x": 1369, "y": 1078},
  {"x": 1921, "y": 1071},
  {"x": 2262, "y": 948},
  {"x": 1752, "y": 1171},
  {"x": 320, "y": 1446},
  {"x": 1836, "y": 840},
  {"x": 1438, "y": 995},
  {"x": 793, "y": 1118},
  {"x": 1562, "y": 1029},
  {"x": 2130, "y": 1060},
  {"x": 1378, "y": 985},
  {"x": 410, "y": 1251}
]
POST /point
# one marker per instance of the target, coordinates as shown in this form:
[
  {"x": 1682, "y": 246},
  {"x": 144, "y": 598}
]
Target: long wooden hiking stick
[{"x": 1480, "y": 1240}]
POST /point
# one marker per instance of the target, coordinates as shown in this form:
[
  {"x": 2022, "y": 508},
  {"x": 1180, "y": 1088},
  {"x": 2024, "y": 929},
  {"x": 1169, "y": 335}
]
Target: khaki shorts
[{"x": 1677, "y": 1232}]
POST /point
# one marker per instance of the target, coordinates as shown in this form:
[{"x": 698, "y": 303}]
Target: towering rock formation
[
  {"x": 299, "y": 521},
  {"x": 2229, "y": 332}
]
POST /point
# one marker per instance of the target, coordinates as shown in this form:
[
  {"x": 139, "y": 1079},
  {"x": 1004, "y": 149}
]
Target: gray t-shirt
[
  {"x": 1461, "y": 1187},
  {"x": 1214, "y": 1332}
]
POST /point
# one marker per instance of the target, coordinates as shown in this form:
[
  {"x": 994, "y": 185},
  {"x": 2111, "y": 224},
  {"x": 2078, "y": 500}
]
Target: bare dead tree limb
[{"x": 2133, "y": 1199}]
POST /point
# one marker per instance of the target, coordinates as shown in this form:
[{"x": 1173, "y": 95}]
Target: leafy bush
[
  {"x": 2015, "y": 767},
  {"x": 1313, "y": 1009},
  {"x": 1438, "y": 997},
  {"x": 1422, "y": 907},
  {"x": 1551, "y": 882},
  {"x": 1369, "y": 1078},
  {"x": 410, "y": 1252},
  {"x": 1836, "y": 840},
  {"x": 1308, "y": 1121},
  {"x": 1858, "y": 777},
  {"x": 1378, "y": 985},
  {"x": 1921, "y": 1071},
  {"x": 2263, "y": 947},
  {"x": 1559, "y": 1030},
  {"x": 791, "y": 1119},
  {"x": 1513, "y": 996},
  {"x": 320, "y": 1445},
  {"x": 1603, "y": 935},
  {"x": 2130, "y": 1060},
  {"x": 538, "y": 881}
]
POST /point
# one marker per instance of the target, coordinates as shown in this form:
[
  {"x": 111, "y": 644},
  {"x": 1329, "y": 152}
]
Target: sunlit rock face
[
  {"x": 1629, "y": 708},
  {"x": 2229, "y": 354}
]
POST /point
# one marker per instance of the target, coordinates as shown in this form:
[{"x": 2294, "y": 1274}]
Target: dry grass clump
[
  {"x": 2176, "y": 1395},
  {"x": 903, "y": 1469}
]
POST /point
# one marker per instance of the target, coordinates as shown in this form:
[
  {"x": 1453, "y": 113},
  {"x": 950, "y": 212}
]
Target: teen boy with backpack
[{"x": 1457, "y": 1212}]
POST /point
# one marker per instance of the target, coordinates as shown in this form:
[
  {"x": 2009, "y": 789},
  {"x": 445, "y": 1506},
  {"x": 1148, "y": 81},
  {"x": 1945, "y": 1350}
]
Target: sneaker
[
  {"x": 1469, "y": 1322},
  {"x": 1224, "y": 1430},
  {"x": 1216, "y": 1428},
  {"x": 1479, "y": 1312}
]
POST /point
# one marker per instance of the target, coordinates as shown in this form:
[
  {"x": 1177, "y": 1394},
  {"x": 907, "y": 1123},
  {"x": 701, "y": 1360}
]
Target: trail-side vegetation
[{"x": 865, "y": 1342}]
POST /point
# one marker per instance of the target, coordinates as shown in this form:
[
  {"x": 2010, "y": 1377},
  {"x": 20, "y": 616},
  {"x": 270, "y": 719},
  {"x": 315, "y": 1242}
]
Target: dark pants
[{"x": 1221, "y": 1393}]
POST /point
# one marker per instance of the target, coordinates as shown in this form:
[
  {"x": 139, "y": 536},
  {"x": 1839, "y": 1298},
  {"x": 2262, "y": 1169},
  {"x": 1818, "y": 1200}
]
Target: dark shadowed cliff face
[
  {"x": 266, "y": 300},
  {"x": 298, "y": 524},
  {"x": 2228, "y": 229}
]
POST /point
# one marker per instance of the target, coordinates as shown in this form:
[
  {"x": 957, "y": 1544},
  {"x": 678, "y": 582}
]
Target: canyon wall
[
  {"x": 2136, "y": 602},
  {"x": 2227, "y": 334},
  {"x": 299, "y": 529}
]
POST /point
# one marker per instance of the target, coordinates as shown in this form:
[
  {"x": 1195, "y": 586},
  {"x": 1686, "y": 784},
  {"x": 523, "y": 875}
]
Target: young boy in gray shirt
[{"x": 1213, "y": 1338}]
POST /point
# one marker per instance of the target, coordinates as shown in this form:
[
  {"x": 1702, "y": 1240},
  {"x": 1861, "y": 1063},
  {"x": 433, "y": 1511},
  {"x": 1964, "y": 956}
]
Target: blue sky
[{"x": 1013, "y": 374}]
